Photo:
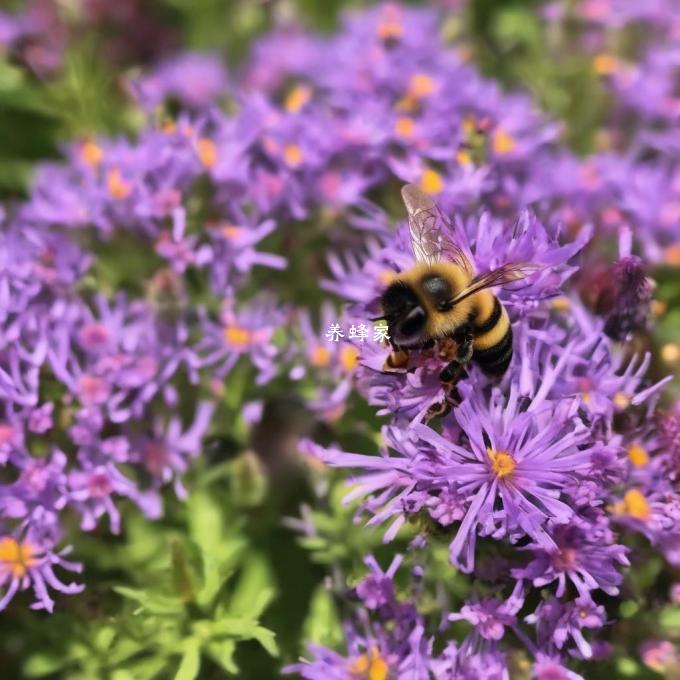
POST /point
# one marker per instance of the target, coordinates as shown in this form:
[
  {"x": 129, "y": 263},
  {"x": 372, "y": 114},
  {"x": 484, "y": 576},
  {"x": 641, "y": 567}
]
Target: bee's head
[{"x": 405, "y": 316}]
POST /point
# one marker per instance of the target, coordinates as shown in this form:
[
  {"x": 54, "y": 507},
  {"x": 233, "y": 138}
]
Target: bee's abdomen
[{"x": 492, "y": 342}]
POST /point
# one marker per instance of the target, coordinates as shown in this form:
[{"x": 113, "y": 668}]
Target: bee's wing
[
  {"x": 426, "y": 224},
  {"x": 502, "y": 276}
]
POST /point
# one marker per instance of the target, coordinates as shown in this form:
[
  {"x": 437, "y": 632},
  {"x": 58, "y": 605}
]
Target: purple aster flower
[
  {"x": 245, "y": 331},
  {"x": 29, "y": 562},
  {"x": 194, "y": 79},
  {"x": 559, "y": 623},
  {"x": 490, "y": 616},
  {"x": 585, "y": 554}
]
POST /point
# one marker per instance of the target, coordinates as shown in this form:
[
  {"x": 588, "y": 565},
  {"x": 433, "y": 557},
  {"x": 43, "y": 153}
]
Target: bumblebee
[{"x": 441, "y": 304}]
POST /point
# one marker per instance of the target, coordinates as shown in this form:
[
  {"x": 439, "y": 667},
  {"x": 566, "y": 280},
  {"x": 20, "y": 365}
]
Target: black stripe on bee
[
  {"x": 495, "y": 359},
  {"x": 492, "y": 320}
]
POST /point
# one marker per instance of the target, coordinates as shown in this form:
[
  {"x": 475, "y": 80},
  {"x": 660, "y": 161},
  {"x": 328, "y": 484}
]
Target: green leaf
[
  {"x": 191, "y": 660},
  {"x": 222, "y": 653},
  {"x": 267, "y": 639},
  {"x": 322, "y": 625},
  {"x": 151, "y": 602},
  {"x": 254, "y": 590},
  {"x": 670, "y": 618}
]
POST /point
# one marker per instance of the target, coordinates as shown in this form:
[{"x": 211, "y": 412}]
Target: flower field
[{"x": 218, "y": 456}]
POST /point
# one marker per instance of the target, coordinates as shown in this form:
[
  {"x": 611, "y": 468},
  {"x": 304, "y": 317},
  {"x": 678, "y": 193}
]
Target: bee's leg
[
  {"x": 397, "y": 360},
  {"x": 463, "y": 356}
]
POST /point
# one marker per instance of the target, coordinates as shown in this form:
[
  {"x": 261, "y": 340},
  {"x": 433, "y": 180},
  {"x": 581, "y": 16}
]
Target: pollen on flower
[
  {"x": 237, "y": 336},
  {"x": 349, "y": 356},
  {"x": 16, "y": 558},
  {"x": 431, "y": 181},
  {"x": 503, "y": 142},
  {"x": 320, "y": 357},
  {"x": 207, "y": 152},
  {"x": 292, "y": 154},
  {"x": 370, "y": 666},
  {"x": 297, "y": 98},
  {"x": 91, "y": 153},
  {"x": 605, "y": 64},
  {"x": 637, "y": 455},
  {"x": 502, "y": 463},
  {"x": 404, "y": 127},
  {"x": 117, "y": 186}
]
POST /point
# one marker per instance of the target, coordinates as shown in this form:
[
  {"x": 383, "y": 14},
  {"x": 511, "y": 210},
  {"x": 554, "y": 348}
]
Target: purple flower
[
  {"x": 585, "y": 555},
  {"x": 28, "y": 562},
  {"x": 193, "y": 78}
]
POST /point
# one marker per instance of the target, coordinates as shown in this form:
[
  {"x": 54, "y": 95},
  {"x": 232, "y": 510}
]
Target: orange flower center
[
  {"x": 502, "y": 463},
  {"x": 297, "y": 98},
  {"x": 503, "y": 142},
  {"x": 634, "y": 504},
  {"x": 292, "y": 154},
  {"x": 637, "y": 455},
  {"x": 404, "y": 127},
  {"x": 91, "y": 153},
  {"x": 240, "y": 337},
  {"x": 16, "y": 558},
  {"x": 321, "y": 356},
  {"x": 370, "y": 666},
  {"x": 207, "y": 152},
  {"x": 431, "y": 182},
  {"x": 117, "y": 186},
  {"x": 605, "y": 64},
  {"x": 349, "y": 355}
]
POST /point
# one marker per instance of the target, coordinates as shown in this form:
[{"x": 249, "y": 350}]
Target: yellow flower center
[
  {"x": 431, "y": 181},
  {"x": 404, "y": 127},
  {"x": 117, "y": 186},
  {"x": 231, "y": 231},
  {"x": 670, "y": 352},
  {"x": 503, "y": 142},
  {"x": 349, "y": 355},
  {"x": 321, "y": 356},
  {"x": 207, "y": 152},
  {"x": 635, "y": 504},
  {"x": 169, "y": 127},
  {"x": 237, "y": 336},
  {"x": 502, "y": 463},
  {"x": 91, "y": 153},
  {"x": 297, "y": 98},
  {"x": 605, "y": 64},
  {"x": 16, "y": 558},
  {"x": 292, "y": 154},
  {"x": 370, "y": 666},
  {"x": 463, "y": 157},
  {"x": 637, "y": 455},
  {"x": 621, "y": 401}
]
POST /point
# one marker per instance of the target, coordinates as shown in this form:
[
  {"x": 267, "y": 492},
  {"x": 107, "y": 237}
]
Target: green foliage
[{"x": 187, "y": 594}]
